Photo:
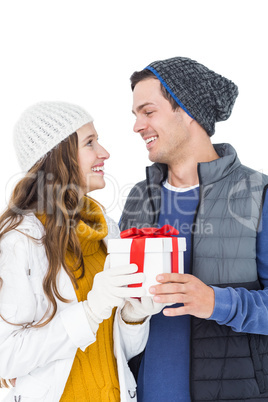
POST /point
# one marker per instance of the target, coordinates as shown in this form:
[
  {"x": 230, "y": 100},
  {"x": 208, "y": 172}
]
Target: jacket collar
[
  {"x": 214, "y": 171},
  {"x": 209, "y": 172}
]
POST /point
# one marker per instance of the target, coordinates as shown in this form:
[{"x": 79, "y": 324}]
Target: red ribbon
[{"x": 137, "y": 250}]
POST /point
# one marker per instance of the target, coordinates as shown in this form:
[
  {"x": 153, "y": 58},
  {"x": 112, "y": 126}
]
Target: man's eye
[{"x": 148, "y": 113}]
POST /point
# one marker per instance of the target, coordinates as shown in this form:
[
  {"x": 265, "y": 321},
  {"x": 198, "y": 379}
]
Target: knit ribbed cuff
[{"x": 128, "y": 315}]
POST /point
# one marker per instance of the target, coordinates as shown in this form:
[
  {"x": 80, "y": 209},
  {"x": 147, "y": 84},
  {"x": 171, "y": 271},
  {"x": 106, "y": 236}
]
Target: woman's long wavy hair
[{"x": 51, "y": 188}]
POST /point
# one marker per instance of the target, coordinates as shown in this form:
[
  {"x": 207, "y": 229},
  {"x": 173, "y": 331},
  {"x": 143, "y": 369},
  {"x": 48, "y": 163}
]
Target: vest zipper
[
  {"x": 192, "y": 256},
  {"x": 196, "y": 213},
  {"x": 150, "y": 196}
]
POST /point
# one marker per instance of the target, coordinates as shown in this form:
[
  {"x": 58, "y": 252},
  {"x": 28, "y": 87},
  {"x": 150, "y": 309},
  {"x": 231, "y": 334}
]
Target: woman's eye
[{"x": 91, "y": 142}]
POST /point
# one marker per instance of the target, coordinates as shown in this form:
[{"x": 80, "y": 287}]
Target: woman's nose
[{"x": 102, "y": 153}]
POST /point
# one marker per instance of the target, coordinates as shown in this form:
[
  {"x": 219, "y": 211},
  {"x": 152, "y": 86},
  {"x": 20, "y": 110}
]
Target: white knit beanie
[{"x": 43, "y": 126}]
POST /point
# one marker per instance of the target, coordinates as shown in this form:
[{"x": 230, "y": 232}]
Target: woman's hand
[
  {"x": 136, "y": 310},
  {"x": 110, "y": 289}
]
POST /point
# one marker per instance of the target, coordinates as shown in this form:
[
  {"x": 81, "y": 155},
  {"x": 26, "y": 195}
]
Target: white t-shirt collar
[{"x": 178, "y": 189}]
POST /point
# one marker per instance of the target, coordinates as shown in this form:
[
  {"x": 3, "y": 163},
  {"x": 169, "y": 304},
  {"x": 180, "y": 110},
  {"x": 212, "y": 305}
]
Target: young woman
[{"x": 56, "y": 301}]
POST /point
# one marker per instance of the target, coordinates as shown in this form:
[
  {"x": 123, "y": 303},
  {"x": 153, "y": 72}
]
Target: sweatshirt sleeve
[{"x": 247, "y": 310}]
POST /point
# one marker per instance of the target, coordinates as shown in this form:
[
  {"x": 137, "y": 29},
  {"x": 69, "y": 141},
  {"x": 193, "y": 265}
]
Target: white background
[{"x": 85, "y": 51}]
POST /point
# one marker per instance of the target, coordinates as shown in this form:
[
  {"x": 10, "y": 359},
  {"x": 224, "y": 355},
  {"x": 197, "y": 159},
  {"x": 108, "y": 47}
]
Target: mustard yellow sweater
[{"x": 93, "y": 377}]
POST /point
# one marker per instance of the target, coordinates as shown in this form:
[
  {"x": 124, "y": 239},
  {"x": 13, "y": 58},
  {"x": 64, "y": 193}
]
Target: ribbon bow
[
  {"x": 164, "y": 231},
  {"x": 137, "y": 250}
]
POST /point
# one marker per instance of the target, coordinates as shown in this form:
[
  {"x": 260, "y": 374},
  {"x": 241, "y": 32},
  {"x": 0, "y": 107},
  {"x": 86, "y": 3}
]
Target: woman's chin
[{"x": 96, "y": 186}]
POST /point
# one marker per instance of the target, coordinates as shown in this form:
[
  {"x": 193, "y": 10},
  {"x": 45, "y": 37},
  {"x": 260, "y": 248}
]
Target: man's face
[{"x": 163, "y": 130}]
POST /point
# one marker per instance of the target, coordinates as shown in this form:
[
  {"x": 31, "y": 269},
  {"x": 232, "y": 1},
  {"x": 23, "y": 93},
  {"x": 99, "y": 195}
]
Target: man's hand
[{"x": 197, "y": 298}]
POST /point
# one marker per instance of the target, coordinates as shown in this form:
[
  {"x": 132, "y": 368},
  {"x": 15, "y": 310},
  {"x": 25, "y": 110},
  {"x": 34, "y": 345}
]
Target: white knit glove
[
  {"x": 137, "y": 310},
  {"x": 110, "y": 290}
]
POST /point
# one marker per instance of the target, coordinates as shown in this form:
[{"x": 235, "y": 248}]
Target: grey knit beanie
[
  {"x": 205, "y": 95},
  {"x": 43, "y": 126}
]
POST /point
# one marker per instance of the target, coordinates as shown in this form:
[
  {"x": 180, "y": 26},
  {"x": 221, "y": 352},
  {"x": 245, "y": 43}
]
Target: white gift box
[{"x": 157, "y": 256}]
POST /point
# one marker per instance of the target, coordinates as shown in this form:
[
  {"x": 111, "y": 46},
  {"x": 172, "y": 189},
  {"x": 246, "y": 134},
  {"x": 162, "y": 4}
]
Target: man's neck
[{"x": 184, "y": 173}]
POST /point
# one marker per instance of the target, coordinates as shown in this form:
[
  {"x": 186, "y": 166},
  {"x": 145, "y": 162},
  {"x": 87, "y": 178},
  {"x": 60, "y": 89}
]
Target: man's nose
[{"x": 139, "y": 125}]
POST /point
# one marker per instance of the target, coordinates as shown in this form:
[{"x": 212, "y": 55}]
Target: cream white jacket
[{"x": 41, "y": 359}]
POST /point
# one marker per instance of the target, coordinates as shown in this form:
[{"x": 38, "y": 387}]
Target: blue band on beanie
[{"x": 169, "y": 90}]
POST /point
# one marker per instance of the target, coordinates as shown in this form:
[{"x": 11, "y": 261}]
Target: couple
[{"x": 61, "y": 336}]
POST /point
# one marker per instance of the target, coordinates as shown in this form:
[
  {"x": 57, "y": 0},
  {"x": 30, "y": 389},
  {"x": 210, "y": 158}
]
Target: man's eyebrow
[{"x": 140, "y": 107}]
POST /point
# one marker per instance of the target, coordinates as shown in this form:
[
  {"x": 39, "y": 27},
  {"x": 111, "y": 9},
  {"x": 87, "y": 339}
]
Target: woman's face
[{"x": 91, "y": 157}]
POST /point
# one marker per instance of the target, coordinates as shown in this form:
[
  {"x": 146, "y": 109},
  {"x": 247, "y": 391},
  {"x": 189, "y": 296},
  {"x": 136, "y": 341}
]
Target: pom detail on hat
[
  {"x": 205, "y": 95},
  {"x": 43, "y": 126}
]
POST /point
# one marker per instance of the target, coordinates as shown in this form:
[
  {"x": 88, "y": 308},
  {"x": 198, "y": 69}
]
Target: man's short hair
[{"x": 142, "y": 75}]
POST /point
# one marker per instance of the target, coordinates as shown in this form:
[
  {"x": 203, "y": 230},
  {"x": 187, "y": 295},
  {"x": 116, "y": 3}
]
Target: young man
[{"x": 212, "y": 345}]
